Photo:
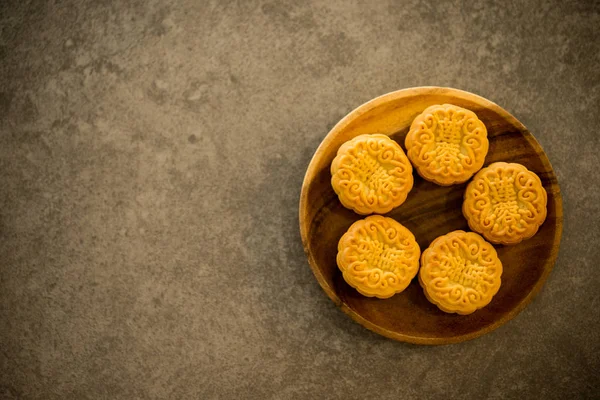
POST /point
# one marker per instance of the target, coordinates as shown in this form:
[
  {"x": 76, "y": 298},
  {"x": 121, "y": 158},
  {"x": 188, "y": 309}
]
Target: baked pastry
[
  {"x": 460, "y": 272},
  {"x": 447, "y": 144},
  {"x": 378, "y": 256},
  {"x": 371, "y": 174},
  {"x": 506, "y": 203}
]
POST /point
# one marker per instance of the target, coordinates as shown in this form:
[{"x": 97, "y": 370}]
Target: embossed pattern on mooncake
[
  {"x": 378, "y": 256},
  {"x": 371, "y": 174},
  {"x": 460, "y": 272},
  {"x": 447, "y": 144},
  {"x": 506, "y": 203}
]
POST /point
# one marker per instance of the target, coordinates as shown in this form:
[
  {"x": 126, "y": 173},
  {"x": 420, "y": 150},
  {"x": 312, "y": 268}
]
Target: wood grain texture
[{"x": 429, "y": 211}]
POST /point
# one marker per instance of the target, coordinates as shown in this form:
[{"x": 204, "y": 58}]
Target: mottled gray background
[{"x": 151, "y": 158}]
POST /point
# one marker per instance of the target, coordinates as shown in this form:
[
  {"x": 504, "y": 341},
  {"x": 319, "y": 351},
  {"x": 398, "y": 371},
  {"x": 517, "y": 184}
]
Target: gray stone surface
[{"x": 151, "y": 158}]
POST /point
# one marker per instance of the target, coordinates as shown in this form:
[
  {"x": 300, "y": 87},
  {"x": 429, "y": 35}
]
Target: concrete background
[{"x": 151, "y": 158}]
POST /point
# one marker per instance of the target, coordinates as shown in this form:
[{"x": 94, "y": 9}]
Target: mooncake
[
  {"x": 447, "y": 144},
  {"x": 371, "y": 174},
  {"x": 506, "y": 203},
  {"x": 378, "y": 256},
  {"x": 460, "y": 272}
]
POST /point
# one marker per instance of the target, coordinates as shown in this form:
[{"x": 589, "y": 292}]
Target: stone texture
[{"x": 151, "y": 158}]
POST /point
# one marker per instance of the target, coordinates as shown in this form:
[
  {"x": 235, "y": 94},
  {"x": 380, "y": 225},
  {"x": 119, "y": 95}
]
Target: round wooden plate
[{"x": 429, "y": 211}]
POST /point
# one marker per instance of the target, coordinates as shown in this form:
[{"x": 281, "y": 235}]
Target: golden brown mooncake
[
  {"x": 371, "y": 174},
  {"x": 447, "y": 144},
  {"x": 460, "y": 272},
  {"x": 505, "y": 202},
  {"x": 378, "y": 256}
]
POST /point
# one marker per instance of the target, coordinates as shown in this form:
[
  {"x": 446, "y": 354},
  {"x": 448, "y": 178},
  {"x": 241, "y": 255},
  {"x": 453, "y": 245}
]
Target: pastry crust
[
  {"x": 506, "y": 203},
  {"x": 460, "y": 272},
  {"x": 378, "y": 256},
  {"x": 371, "y": 174},
  {"x": 447, "y": 144}
]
